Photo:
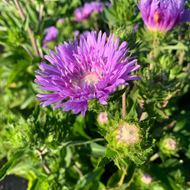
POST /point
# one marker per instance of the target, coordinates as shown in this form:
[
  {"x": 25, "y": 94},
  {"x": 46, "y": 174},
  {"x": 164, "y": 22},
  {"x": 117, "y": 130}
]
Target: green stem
[
  {"x": 121, "y": 181},
  {"x": 30, "y": 32},
  {"x": 77, "y": 143}
]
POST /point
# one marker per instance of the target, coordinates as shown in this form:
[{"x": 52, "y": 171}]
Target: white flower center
[{"x": 91, "y": 78}]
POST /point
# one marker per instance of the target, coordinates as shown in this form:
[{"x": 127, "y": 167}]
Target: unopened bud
[
  {"x": 102, "y": 118},
  {"x": 60, "y": 22},
  {"x": 160, "y": 15},
  {"x": 168, "y": 145},
  {"x": 146, "y": 179}
]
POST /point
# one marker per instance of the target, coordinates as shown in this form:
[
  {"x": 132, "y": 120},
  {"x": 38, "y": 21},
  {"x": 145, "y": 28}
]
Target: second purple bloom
[{"x": 163, "y": 15}]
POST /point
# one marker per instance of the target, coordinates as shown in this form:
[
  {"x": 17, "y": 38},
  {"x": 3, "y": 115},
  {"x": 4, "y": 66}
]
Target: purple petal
[{"x": 185, "y": 16}]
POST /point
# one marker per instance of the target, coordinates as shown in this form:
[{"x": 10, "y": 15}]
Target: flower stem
[
  {"x": 124, "y": 105},
  {"x": 30, "y": 32},
  {"x": 120, "y": 183}
]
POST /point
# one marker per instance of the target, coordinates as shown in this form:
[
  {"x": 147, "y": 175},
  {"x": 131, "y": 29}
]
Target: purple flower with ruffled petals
[
  {"x": 82, "y": 13},
  {"x": 89, "y": 68},
  {"x": 163, "y": 15},
  {"x": 51, "y": 34}
]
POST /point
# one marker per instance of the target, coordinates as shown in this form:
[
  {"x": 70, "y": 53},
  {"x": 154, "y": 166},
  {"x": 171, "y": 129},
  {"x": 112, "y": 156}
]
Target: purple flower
[
  {"x": 90, "y": 68},
  {"x": 50, "y": 35},
  {"x": 163, "y": 15},
  {"x": 82, "y": 13}
]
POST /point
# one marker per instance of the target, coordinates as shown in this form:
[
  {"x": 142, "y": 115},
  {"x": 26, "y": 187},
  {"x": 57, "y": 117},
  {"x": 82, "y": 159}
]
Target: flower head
[
  {"x": 128, "y": 134},
  {"x": 90, "y": 68},
  {"x": 163, "y": 15},
  {"x": 50, "y": 35},
  {"x": 82, "y": 13}
]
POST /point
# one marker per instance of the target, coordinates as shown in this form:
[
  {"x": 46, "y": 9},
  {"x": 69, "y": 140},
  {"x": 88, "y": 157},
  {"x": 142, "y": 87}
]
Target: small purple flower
[
  {"x": 50, "y": 35},
  {"x": 90, "y": 68},
  {"x": 82, "y": 13},
  {"x": 163, "y": 15}
]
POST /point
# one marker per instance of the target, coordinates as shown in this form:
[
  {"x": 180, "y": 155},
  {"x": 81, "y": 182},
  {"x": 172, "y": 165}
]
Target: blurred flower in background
[
  {"x": 92, "y": 68},
  {"x": 51, "y": 34},
  {"x": 61, "y": 21},
  {"x": 163, "y": 15},
  {"x": 146, "y": 179},
  {"x": 82, "y": 13},
  {"x": 169, "y": 145}
]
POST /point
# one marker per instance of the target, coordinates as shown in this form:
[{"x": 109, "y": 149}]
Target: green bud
[
  {"x": 143, "y": 180},
  {"x": 146, "y": 179},
  {"x": 168, "y": 145}
]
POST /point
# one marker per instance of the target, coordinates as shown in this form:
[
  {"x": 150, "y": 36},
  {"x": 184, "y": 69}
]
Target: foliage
[{"x": 56, "y": 150}]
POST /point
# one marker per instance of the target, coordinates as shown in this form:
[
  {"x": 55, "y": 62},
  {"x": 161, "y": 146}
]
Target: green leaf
[
  {"x": 179, "y": 46},
  {"x": 97, "y": 150},
  {"x": 89, "y": 181},
  {"x": 132, "y": 106},
  {"x": 15, "y": 158},
  {"x": 17, "y": 70},
  {"x": 114, "y": 179}
]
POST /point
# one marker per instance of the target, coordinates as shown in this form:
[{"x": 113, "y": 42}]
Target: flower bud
[
  {"x": 60, "y": 22},
  {"x": 102, "y": 118},
  {"x": 128, "y": 134},
  {"x": 146, "y": 179},
  {"x": 168, "y": 145},
  {"x": 51, "y": 34},
  {"x": 163, "y": 15}
]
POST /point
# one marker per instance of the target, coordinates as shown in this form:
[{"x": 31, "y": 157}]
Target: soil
[{"x": 13, "y": 182}]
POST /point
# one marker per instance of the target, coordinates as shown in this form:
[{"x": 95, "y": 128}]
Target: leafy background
[{"x": 55, "y": 150}]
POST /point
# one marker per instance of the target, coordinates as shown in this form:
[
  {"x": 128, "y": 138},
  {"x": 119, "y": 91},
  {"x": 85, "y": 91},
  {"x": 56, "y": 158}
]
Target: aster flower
[
  {"x": 50, "y": 35},
  {"x": 163, "y": 15},
  {"x": 91, "y": 68},
  {"x": 82, "y": 13}
]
